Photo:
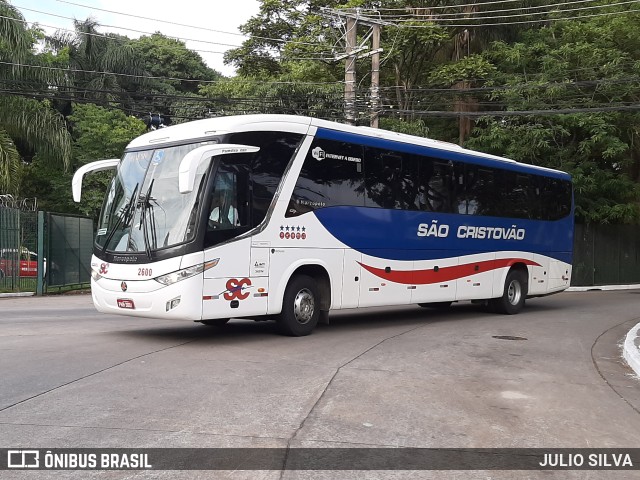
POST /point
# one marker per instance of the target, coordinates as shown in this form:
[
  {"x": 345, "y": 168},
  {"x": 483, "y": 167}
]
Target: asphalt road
[{"x": 549, "y": 377}]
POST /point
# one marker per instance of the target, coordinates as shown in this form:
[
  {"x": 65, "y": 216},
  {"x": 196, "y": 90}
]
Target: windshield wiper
[
  {"x": 123, "y": 218},
  {"x": 145, "y": 203}
]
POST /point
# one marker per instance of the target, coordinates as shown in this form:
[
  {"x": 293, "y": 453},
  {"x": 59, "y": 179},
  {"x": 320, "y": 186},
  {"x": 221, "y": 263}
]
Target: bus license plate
[{"x": 126, "y": 303}]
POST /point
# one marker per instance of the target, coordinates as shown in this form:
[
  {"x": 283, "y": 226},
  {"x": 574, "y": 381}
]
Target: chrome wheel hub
[
  {"x": 304, "y": 306},
  {"x": 514, "y": 292}
]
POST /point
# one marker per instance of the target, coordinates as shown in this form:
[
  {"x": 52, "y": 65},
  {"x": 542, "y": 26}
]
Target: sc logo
[{"x": 235, "y": 289}]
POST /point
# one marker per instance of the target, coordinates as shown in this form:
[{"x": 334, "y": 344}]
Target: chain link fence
[{"x": 18, "y": 244}]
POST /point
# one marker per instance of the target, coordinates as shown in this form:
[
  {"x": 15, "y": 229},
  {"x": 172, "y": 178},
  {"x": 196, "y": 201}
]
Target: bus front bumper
[{"x": 150, "y": 299}]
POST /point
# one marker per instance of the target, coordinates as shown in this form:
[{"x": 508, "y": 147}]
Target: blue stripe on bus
[
  {"x": 436, "y": 152},
  {"x": 393, "y": 234}
]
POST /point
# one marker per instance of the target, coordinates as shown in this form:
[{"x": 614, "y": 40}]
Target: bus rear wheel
[
  {"x": 300, "y": 307},
  {"x": 215, "y": 322},
  {"x": 513, "y": 295}
]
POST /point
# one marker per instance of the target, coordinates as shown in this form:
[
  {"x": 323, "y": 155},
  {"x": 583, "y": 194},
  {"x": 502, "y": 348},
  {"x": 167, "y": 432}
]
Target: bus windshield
[{"x": 144, "y": 209}]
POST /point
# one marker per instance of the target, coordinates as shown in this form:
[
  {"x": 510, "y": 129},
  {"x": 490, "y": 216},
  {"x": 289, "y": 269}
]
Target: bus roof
[{"x": 201, "y": 129}]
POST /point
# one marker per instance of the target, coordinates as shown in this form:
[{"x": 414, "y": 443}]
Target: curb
[
  {"x": 17, "y": 294},
  {"x": 630, "y": 350},
  {"x": 603, "y": 287}
]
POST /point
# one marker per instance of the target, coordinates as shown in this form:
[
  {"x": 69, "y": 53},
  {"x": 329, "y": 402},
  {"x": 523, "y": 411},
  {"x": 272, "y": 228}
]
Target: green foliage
[
  {"x": 101, "y": 133},
  {"x": 162, "y": 56},
  {"x": 10, "y": 164},
  {"x": 28, "y": 127},
  {"x": 98, "y": 133},
  {"x": 250, "y": 95},
  {"x": 471, "y": 67},
  {"x": 285, "y": 66},
  {"x": 562, "y": 67},
  {"x": 418, "y": 128}
]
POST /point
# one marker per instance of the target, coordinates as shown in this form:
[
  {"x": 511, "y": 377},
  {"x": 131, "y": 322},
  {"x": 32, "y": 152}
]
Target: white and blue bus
[{"x": 287, "y": 217}]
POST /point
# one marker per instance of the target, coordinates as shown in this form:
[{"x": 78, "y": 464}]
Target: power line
[
  {"x": 162, "y": 21},
  {"x": 415, "y": 89},
  {"x": 511, "y": 113},
  {"x": 385, "y": 110},
  {"x": 130, "y": 29},
  {"x": 156, "y": 77},
  {"x": 552, "y": 11},
  {"x": 196, "y": 27},
  {"x": 437, "y": 24},
  {"x": 481, "y": 12},
  {"x": 439, "y": 7}
]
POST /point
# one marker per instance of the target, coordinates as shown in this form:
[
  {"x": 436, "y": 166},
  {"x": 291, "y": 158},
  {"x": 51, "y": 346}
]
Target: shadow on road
[{"x": 342, "y": 322}]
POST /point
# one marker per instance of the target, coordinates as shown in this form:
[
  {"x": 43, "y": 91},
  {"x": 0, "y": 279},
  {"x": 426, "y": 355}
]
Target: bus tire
[
  {"x": 513, "y": 295},
  {"x": 300, "y": 307},
  {"x": 215, "y": 322},
  {"x": 436, "y": 305}
]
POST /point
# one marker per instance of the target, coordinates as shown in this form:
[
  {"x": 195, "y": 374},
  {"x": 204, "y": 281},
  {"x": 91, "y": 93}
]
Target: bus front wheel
[
  {"x": 513, "y": 295},
  {"x": 300, "y": 307}
]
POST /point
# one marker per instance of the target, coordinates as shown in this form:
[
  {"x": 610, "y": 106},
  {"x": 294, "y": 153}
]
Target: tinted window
[
  {"x": 518, "y": 194},
  {"x": 437, "y": 185},
  {"x": 555, "y": 198},
  {"x": 331, "y": 176},
  {"x": 480, "y": 196},
  {"x": 267, "y": 167},
  {"x": 383, "y": 178}
]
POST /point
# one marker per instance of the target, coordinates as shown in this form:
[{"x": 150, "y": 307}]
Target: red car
[{"x": 26, "y": 266}]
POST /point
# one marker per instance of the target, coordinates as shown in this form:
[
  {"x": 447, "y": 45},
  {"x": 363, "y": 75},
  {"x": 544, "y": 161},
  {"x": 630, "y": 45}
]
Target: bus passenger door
[{"x": 351, "y": 278}]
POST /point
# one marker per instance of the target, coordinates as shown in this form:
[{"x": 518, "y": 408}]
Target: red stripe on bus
[{"x": 443, "y": 274}]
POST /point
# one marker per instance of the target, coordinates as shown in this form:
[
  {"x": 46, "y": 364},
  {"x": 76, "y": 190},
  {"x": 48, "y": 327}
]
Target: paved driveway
[{"x": 549, "y": 377}]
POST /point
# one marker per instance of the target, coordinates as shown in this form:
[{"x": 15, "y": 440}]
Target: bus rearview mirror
[{"x": 76, "y": 182}]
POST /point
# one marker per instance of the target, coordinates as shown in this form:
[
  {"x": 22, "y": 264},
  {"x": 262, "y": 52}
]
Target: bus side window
[
  {"x": 383, "y": 174},
  {"x": 480, "y": 193},
  {"x": 519, "y": 195},
  {"x": 267, "y": 166},
  {"x": 331, "y": 176},
  {"x": 555, "y": 198},
  {"x": 436, "y": 189}
]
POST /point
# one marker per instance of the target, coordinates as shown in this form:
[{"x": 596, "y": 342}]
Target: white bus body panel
[{"x": 134, "y": 286}]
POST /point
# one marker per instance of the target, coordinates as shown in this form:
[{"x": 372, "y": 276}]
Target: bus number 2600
[{"x": 144, "y": 272}]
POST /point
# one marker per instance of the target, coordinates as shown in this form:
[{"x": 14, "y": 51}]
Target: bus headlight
[
  {"x": 177, "y": 276},
  {"x": 95, "y": 275}
]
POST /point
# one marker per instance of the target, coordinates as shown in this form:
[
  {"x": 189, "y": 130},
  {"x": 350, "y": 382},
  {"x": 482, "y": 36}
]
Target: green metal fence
[
  {"x": 18, "y": 245},
  {"x": 42, "y": 252},
  {"x": 606, "y": 255},
  {"x": 603, "y": 254},
  {"x": 69, "y": 243}
]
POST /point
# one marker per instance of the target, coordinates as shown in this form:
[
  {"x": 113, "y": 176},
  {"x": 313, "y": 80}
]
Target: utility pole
[
  {"x": 375, "y": 75},
  {"x": 353, "y": 18},
  {"x": 350, "y": 71}
]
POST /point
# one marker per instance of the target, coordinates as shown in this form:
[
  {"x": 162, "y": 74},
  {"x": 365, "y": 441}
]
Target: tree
[
  {"x": 28, "y": 127},
  {"x": 98, "y": 133},
  {"x": 175, "y": 96},
  {"x": 100, "y": 66},
  {"x": 586, "y": 65}
]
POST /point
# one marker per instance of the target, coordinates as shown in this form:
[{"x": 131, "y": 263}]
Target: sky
[{"x": 223, "y": 16}]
